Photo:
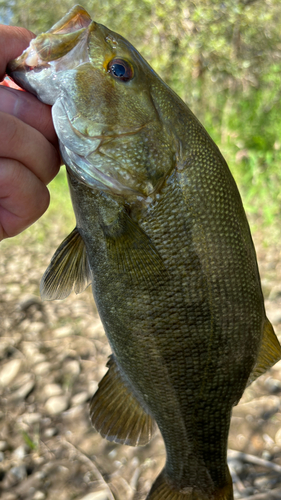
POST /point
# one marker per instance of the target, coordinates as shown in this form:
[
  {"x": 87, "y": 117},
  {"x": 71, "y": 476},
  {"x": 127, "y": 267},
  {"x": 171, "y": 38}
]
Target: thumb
[{"x": 13, "y": 41}]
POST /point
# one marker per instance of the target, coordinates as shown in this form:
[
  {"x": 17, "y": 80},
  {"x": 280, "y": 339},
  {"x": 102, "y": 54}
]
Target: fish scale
[{"x": 162, "y": 235}]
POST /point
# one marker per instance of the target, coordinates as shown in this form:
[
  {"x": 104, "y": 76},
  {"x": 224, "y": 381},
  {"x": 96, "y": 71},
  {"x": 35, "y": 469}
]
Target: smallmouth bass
[{"x": 162, "y": 235}]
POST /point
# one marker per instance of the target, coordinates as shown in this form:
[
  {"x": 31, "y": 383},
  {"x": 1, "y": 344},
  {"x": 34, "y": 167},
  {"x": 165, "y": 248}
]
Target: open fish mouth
[
  {"x": 63, "y": 47},
  {"x": 51, "y": 46}
]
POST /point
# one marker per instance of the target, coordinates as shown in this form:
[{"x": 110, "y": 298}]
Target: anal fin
[
  {"x": 68, "y": 270},
  {"x": 269, "y": 353},
  {"x": 115, "y": 412}
]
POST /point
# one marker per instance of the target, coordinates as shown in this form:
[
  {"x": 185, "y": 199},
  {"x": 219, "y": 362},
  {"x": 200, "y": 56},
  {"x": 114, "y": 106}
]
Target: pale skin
[{"x": 29, "y": 153}]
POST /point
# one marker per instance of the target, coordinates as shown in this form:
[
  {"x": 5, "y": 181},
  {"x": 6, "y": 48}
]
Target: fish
[{"x": 162, "y": 236}]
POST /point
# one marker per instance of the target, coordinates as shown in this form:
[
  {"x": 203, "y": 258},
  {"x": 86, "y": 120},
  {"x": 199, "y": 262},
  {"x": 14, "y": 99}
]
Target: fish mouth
[
  {"x": 47, "y": 49},
  {"x": 74, "y": 20}
]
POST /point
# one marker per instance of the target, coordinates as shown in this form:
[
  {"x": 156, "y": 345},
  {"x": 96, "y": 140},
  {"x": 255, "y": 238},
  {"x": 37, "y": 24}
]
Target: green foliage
[
  {"x": 33, "y": 445},
  {"x": 223, "y": 58}
]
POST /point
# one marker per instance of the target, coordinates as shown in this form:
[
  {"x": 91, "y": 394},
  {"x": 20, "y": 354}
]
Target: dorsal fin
[
  {"x": 115, "y": 412},
  {"x": 68, "y": 270},
  {"x": 269, "y": 353}
]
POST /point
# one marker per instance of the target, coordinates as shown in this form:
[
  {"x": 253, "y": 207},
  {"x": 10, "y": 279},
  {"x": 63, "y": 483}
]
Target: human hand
[{"x": 29, "y": 153}]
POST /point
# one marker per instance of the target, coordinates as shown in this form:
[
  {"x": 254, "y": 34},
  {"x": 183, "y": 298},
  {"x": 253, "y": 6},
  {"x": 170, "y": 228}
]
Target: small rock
[
  {"x": 9, "y": 496},
  {"x": 73, "y": 367},
  {"x": 37, "y": 326},
  {"x": 277, "y": 438},
  {"x": 80, "y": 398},
  {"x": 29, "y": 349},
  {"x": 259, "y": 407},
  {"x": 51, "y": 390},
  {"x": 56, "y": 404},
  {"x": 9, "y": 372},
  {"x": 135, "y": 462},
  {"x": 62, "y": 469},
  {"x": 266, "y": 455},
  {"x": 39, "y": 495},
  {"x": 262, "y": 483},
  {"x": 31, "y": 418},
  {"x": 275, "y": 317},
  {"x": 273, "y": 385},
  {"x": 18, "y": 472},
  {"x": 96, "y": 329},
  {"x": 3, "y": 445},
  {"x": 19, "y": 452},
  {"x": 73, "y": 412},
  {"x": 24, "y": 391},
  {"x": 14, "y": 289},
  {"x": 96, "y": 495},
  {"x": 63, "y": 331},
  {"x": 42, "y": 368},
  {"x": 21, "y": 380},
  {"x": 50, "y": 432},
  {"x": 38, "y": 357}
]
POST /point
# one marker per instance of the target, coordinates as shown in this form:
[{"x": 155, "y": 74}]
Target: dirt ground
[{"x": 52, "y": 356}]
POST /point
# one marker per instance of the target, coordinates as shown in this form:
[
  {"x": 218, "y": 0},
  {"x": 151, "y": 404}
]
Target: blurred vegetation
[{"x": 222, "y": 57}]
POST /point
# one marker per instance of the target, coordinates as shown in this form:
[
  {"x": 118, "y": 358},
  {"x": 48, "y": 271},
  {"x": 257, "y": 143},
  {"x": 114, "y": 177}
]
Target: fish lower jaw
[
  {"x": 93, "y": 178},
  {"x": 32, "y": 59}
]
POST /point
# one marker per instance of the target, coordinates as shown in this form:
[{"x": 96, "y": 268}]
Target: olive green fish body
[
  {"x": 162, "y": 235},
  {"x": 173, "y": 328}
]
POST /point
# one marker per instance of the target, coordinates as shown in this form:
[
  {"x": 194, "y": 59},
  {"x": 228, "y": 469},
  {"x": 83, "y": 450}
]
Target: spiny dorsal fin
[
  {"x": 269, "y": 354},
  {"x": 115, "y": 412},
  {"x": 132, "y": 251},
  {"x": 69, "y": 269}
]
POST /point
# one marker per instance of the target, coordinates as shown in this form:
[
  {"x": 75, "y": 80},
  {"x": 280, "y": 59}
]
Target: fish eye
[{"x": 120, "y": 69}]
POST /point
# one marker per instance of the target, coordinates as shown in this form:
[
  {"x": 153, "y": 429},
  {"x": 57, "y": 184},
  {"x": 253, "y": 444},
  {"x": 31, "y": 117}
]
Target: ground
[{"x": 52, "y": 356}]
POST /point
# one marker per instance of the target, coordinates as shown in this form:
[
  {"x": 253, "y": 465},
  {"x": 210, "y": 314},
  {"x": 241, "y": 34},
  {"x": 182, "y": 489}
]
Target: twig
[
  {"x": 245, "y": 457},
  {"x": 268, "y": 495},
  {"x": 94, "y": 468},
  {"x": 237, "y": 481}
]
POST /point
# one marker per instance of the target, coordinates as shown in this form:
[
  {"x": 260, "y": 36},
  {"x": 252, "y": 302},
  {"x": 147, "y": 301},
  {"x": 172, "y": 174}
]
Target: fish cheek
[
  {"x": 123, "y": 107},
  {"x": 95, "y": 94},
  {"x": 98, "y": 96}
]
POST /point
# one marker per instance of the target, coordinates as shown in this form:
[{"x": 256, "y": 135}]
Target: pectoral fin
[
  {"x": 69, "y": 269},
  {"x": 269, "y": 354},
  {"x": 115, "y": 412},
  {"x": 132, "y": 251}
]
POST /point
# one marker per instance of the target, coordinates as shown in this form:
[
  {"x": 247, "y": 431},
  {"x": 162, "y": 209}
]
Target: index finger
[{"x": 13, "y": 41}]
